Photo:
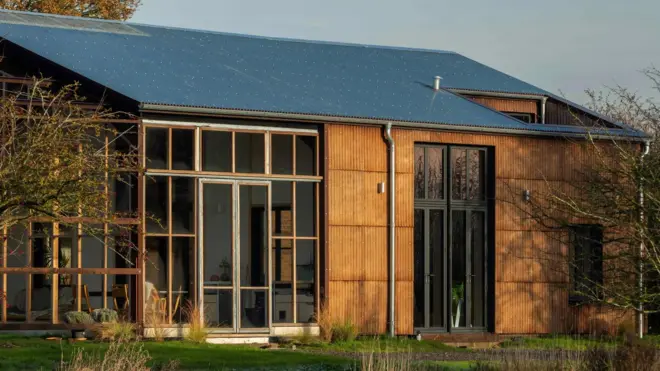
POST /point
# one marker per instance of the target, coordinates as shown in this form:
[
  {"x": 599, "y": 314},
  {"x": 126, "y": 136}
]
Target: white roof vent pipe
[{"x": 436, "y": 83}]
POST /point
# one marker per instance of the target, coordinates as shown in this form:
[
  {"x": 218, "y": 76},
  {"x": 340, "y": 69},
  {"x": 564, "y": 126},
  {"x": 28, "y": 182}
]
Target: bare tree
[
  {"x": 613, "y": 207},
  {"x": 106, "y": 9},
  {"x": 56, "y": 163}
]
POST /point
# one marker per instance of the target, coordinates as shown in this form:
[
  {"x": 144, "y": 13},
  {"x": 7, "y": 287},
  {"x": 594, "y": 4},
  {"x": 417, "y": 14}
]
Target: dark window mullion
[{"x": 426, "y": 174}]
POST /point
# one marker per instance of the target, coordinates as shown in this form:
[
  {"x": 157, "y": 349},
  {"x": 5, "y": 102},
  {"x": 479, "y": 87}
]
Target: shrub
[
  {"x": 197, "y": 330},
  {"x": 119, "y": 331},
  {"x": 636, "y": 355},
  {"x": 343, "y": 331},
  {"x": 105, "y": 315},
  {"x": 78, "y": 318}
]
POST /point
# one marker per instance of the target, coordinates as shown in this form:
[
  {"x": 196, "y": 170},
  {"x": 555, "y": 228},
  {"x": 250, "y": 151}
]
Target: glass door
[
  {"x": 234, "y": 259},
  {"x": 430, "y": 311}
]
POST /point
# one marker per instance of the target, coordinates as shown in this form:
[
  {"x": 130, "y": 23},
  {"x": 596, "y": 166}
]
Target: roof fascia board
[
  {"x": 159, "y": 108},
  {"x": 486, "y": 93}
]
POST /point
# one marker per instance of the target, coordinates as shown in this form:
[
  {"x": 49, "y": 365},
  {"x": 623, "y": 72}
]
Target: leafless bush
[{"x": 120, "y": 356}]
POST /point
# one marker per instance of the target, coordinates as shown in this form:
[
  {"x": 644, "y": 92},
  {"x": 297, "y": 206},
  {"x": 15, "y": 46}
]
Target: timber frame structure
[{"x": 266, "y": 193}]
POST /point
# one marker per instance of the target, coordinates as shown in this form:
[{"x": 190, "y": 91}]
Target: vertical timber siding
[{"x": 530, "y": 298}]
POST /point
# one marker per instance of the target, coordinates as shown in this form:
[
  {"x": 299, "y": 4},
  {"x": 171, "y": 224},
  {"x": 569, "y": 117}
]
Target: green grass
[
  {"x": 382, "y": 344},
  {"x": 450, "y": 365},
  {"x": 22, "y": 353},
  {"x": 565, "y": 342}
]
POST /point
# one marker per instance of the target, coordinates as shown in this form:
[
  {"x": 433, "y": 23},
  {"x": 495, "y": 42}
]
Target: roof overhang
[{"x": 537, "y": 130}]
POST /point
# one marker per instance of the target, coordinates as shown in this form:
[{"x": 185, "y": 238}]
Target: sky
[{"x": 564, "y": 46}]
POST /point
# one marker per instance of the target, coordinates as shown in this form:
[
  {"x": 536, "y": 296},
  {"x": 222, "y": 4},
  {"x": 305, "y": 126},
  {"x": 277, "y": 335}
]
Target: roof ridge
[{"x": 227, "y": 33}]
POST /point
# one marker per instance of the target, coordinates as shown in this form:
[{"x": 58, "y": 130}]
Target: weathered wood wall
[
  {"x": 529, "y": 296},
  {"x": 510, "y": 105}
]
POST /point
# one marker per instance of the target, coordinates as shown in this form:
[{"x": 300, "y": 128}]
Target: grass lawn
[
  {"x": 381, "y": 344},
  {"x": 450, "y": 365},
  {"x": 31, "y": 353},
  {"x": 558, "y": 342}
]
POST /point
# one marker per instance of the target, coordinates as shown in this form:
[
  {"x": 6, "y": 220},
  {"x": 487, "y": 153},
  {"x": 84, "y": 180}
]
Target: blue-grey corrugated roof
[{"x": 181, "y": 67}]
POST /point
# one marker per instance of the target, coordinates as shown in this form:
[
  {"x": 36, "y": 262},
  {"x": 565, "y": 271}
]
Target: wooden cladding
[
  {"x": 510, "y": 105},
  {"x": 531, "y": 296}
]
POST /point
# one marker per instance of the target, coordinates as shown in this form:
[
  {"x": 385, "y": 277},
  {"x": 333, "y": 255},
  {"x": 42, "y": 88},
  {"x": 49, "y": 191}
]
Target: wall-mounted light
[
  {"x": 527, "y": 195},
  {"x": 381, "y": 187}
]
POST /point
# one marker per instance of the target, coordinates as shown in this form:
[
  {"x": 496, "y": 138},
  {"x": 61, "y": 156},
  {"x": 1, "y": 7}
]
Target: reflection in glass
[
  {"x": 249, "y": 153},
  {"x": 458, "y": 272},
  {"x": 459, "y": 174},
  {"x": 156, "y": 204},
  {"x": 282, "y": 208},
  {"x": 183, "y": 149},
  {"x": 478, "y": 258},
  {"x": 218, "y": 308},
  {"x": 282, "y": 153},
  {"x": 419, "y": 172},
  {"x": 435, "y": 175},
  {"x": 156, "y": 148},
  {"x": 305, "y": 260},
  {"x": 124, "y": 188},
  {"x": 183, "y": 196},
  {"x": 305, "y": 209},
  {"x": 155, "y": 278},
  {"x": 436, "y": 259},
  {"x": 183, "y": 249},
  {"x": 216, "y": 151},
  {"x": 253, "y": 201},
  {"x": 305, "y": 302},
  {"x": 419, "y": 267},
  {"x": 476, "y": 174},
  {"x": 218, "y": 235},
  {"x": 305, "y": 155},
  {"x": 282, "y": 303},
  {"x": 253, "y": 309}
]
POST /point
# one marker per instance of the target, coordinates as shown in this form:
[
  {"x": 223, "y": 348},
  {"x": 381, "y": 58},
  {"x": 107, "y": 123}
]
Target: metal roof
[{"x": 181, "y": 67}]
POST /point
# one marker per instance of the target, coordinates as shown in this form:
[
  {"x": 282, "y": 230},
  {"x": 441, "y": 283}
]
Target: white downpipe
[
  {"x": 392, "y": 230},
  {"x": 640, "y": 282}
]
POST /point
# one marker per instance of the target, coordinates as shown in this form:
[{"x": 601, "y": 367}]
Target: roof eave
[{"x": 165, "y": 108}]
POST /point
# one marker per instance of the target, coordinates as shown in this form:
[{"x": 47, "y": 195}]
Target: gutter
[
  {"x": 640, "y": 277},
  {"x": 224, "y": 112},
  {"x": 392, "y": 229}
]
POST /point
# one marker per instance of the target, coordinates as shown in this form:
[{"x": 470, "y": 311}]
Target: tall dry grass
[
  {"x": 120, "y": 356},
  {"x": 197, "y": 325}
]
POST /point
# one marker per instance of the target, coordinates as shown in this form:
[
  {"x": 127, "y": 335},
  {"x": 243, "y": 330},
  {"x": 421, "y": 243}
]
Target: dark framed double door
[
  {"x": 450, "y": 239},
  {"x": 234, "y": 259}
]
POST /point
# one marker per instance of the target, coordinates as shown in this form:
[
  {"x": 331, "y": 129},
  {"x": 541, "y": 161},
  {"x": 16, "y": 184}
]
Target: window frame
[{"x": 595, "y": 273}]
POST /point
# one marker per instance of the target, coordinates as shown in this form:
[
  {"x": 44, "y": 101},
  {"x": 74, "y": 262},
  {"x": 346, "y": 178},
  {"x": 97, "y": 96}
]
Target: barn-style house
[{"x": 289, "y": 175}]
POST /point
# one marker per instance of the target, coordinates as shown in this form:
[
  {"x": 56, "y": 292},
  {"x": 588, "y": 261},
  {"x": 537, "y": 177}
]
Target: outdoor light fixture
[
  {"x": 527, "y": 195},
  {"x": 381, "y": 187}
]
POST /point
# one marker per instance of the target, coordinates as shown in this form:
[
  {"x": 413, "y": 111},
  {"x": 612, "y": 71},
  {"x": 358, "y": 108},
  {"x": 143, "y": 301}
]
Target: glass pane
[
  {"x": 305, "y": 155},
  {"x": 155, "y": 281},
  {"x": 156, "y": 204},
  {"x": 478, "y": 257},
  {"x": 282, "y": 303},
  {"x": 253, "y": 202},
  {"x": 305, "y": 209},
  {"x": 253, "y": 309},
  {"x": 476, "y": 182},
  {"x": 458, "y": 174},
  {"x": 218, "y": 308},
  {"x": 93, "y": 252},
  {"x": 16, "y": 297},
  {"x": 282, "y": 258},
  {"x": 420, "y": 274},
  {"x": 156, "y": 148},
  {"x": 183, "y": 269},
  {"x": 435, "y": 175},
  {"x": 249, "y": 153},
  {"x": 183, "y": 149},
  {"x": 123, "y": 191},
  {"x": 216, "y": 151},
  {"x": 183, "y": 196},
  {"x": 218, "y": 235},
  {"x": 419, "y": 172},
  {"x": 281, "y": 154},
  {"x": 91, "y": 292},
  {"x": 458, "y": 267},
  {"x": 17, "y": 247},
  {"x": 305, "y": 302},
  {"x": 121, "y": 295},
  {"x": 281, "y": 214},
  {"x": 305, "y": 260},
  {"x": 436, "y": 261},
  {"x": 42, "y": 308}
]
